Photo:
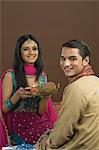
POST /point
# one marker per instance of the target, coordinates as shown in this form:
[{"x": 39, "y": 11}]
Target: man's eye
[
  {"x": 62, "y": 58},
  {"x": 72, "y": 58}
]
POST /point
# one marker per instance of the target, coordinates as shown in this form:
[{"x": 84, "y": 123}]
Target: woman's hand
[{"x": 24, "y": 92}]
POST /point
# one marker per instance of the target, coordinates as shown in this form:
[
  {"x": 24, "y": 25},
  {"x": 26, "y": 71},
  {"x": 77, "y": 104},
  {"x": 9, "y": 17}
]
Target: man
[{"x": 77, "y": 126}]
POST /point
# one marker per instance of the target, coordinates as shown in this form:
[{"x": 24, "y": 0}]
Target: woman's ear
[{"x": 86, "y": 61}]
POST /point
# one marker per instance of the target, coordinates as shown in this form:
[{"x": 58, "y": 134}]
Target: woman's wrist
[
  {"x": 16, "y": 97},
  {"x": 11, "y": 102}
]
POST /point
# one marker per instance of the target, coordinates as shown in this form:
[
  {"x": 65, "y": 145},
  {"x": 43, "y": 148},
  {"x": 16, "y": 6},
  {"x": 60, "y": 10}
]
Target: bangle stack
[{"x": 9, "y": 104}]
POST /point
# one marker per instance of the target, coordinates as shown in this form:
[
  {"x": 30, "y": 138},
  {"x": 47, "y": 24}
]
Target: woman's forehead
[{"x": 29, "y": 42}]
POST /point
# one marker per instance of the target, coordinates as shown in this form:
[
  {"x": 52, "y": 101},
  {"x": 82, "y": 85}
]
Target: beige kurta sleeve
[{"x": 69, "y": 115}]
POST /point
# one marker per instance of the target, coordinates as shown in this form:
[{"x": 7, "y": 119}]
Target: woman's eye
[
  {"x": 35, "y": 48},
  {"x": 25, "y": 49}
]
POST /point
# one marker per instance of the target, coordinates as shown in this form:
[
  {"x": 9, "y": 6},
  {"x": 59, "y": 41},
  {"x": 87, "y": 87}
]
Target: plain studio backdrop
[{"x": 53, "y": 22}]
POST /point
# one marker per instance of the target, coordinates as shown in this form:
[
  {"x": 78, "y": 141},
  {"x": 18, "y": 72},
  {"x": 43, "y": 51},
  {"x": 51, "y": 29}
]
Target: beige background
[{"x": 52, "y": 22}]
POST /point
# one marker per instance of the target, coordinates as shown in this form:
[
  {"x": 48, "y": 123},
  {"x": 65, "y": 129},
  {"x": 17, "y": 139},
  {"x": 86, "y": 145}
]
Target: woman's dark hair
[
  {"x": 19, "y": 63},
  {"x": 84, "y": 49}
]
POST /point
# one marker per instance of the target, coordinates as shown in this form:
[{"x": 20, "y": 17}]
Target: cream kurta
[{"x": 77, "y": 127}]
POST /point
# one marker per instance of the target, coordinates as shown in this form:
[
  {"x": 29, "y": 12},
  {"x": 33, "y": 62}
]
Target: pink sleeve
[{"x": 52, "y": 111}]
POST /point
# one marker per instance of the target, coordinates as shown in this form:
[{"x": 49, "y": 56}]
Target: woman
[{"x": 27, "y": 115}]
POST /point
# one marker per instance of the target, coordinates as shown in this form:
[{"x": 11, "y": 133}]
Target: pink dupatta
[{"x": 3, "y": 134}]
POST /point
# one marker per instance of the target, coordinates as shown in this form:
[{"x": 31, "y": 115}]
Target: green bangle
[{"x": 9, "y": 104}]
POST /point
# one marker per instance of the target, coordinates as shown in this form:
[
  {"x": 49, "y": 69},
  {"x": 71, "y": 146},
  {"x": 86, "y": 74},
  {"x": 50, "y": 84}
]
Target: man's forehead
[{"x": 67, "y": 51}]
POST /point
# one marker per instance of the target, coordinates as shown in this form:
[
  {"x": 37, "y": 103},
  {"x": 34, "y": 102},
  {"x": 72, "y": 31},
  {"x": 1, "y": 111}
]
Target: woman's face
[{"x": 29, "y": 51}]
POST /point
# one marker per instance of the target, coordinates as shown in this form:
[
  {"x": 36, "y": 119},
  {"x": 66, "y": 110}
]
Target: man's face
[{"x": 71, "y": 61}]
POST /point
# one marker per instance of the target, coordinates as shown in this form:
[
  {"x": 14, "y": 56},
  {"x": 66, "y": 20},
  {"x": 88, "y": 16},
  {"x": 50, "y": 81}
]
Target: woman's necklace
[
  {"x": 31, "y": 79},
  {"x": 30, "y": 76}
]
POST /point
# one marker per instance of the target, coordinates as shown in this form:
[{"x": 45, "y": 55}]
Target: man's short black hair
[{"x": 84, "y": 49}]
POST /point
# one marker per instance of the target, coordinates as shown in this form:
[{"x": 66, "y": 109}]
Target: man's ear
[{"x": 86, "y": 61}]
